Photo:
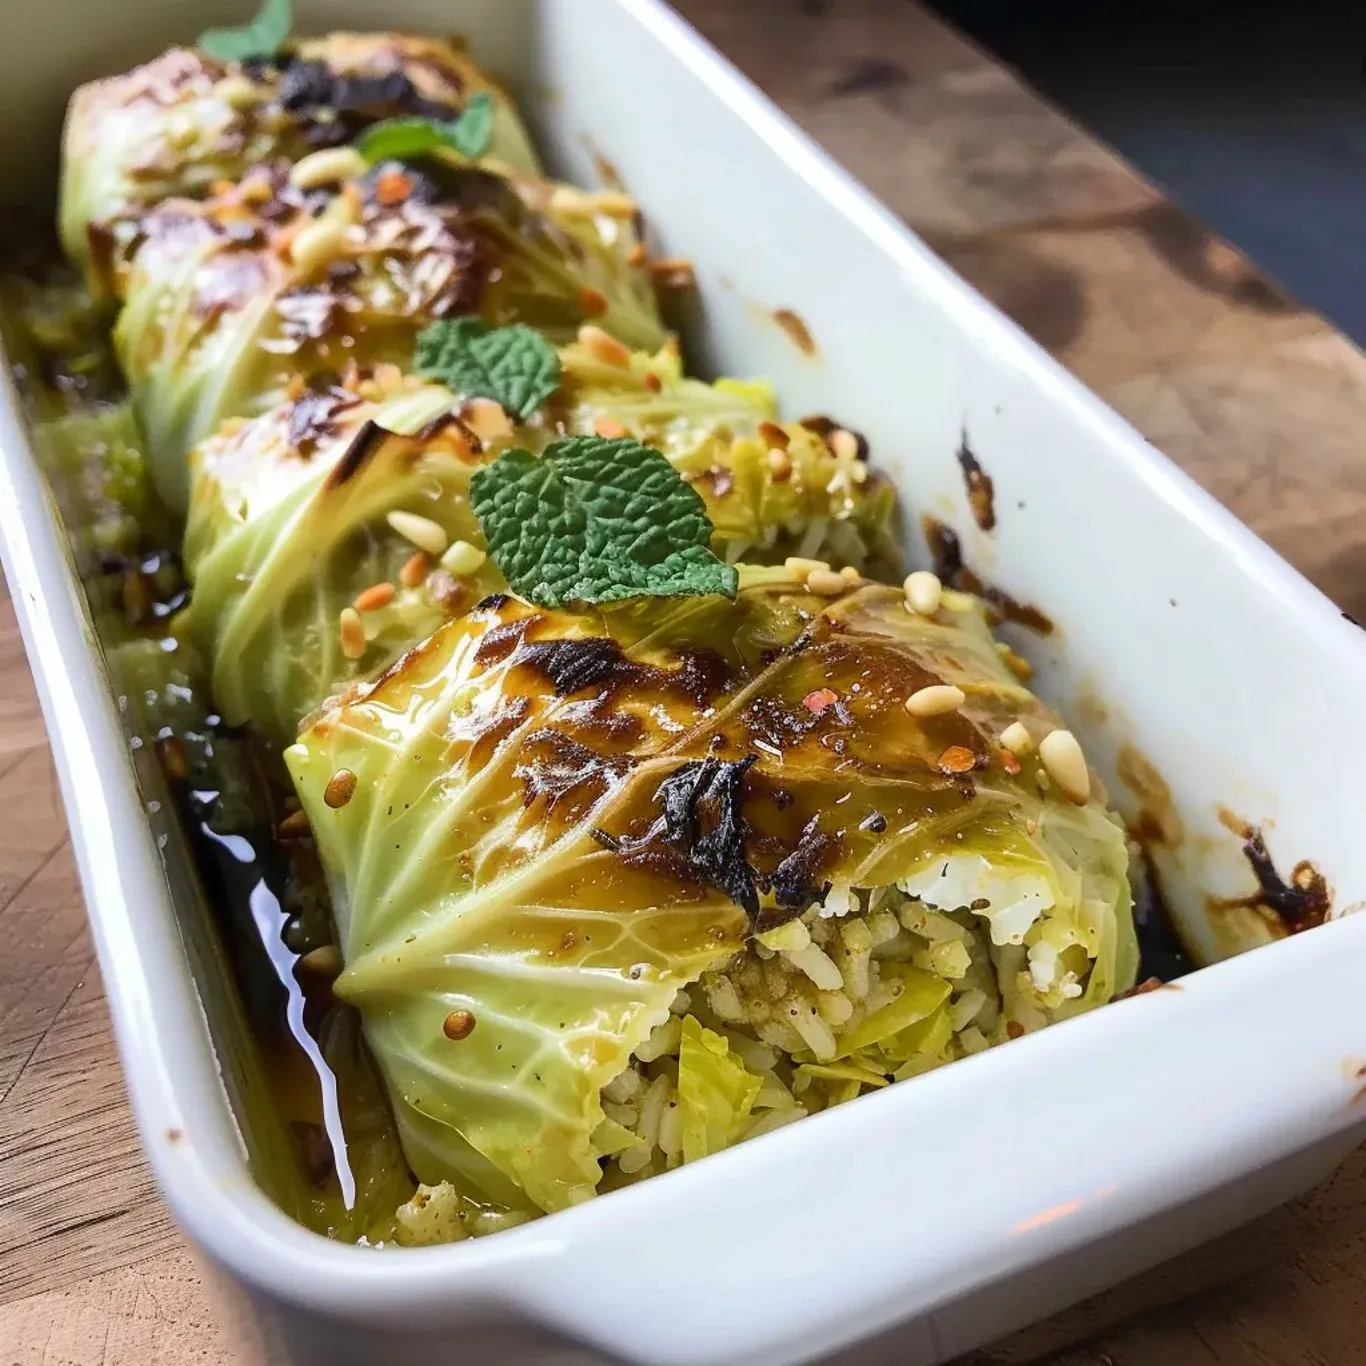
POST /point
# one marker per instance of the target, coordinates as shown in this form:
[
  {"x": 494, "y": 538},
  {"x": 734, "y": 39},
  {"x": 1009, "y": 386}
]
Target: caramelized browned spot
[
  {"x": 367, "y": 440},
  {"x": 1157, "y": 821},
  {"x": 559, "y": 769},
  {"x": 314, "y": 417},
  {"x": 796, "y": 881},
  {"x": 797, "y": 331},
  {"x": 1286, "y": 907},
  {"x": 981, "y": 490},
  {"x": 946, "y": 555}
]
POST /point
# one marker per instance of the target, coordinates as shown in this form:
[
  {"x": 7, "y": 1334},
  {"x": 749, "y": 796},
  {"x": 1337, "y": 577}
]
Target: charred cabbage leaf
[
  {"x": 233, "y": 300},
  {"x": 771, "y": 489},
  {"x": 289, "y": 525},
  {"x": 560, "y": 819},
  {"x": 177, "y": 125}
]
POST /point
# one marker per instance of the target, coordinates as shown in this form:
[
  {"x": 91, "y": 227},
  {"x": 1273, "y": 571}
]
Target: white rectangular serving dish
[{"x": 937, "y": 1214}]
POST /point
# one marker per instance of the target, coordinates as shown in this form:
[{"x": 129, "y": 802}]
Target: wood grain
[{"x": 1257, "y": 398}]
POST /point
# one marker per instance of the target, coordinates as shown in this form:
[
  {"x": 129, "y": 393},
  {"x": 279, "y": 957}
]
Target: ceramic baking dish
[{"x": 936, "y": 1214}]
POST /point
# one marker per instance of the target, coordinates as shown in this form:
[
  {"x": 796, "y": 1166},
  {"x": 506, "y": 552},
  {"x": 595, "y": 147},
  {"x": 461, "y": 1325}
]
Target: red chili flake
[
  {"x": 393, "y": 187},
  {"x": 1009, "y": 762},
  {"x": 592, "y": 301},
  {"x": 816, "y": 702},
  {"x": 957, "y": 759},
  {"x": 653, "y": 382}
]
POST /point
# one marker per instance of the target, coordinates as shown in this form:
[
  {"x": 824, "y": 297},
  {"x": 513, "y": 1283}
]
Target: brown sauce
[
  {"x": 797, "y": 331},
  {"x": 946, "y": 557},
  {"x": 981, "y": 489}
]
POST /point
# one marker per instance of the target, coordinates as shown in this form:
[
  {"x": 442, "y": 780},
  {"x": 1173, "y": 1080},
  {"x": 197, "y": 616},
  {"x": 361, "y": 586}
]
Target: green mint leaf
[
  {"x": 263, "y": 37},
  {"x": 400, "y": 139},
  {"x": 514, "y": 365},
  {"x": 596, "y": 520},
  {"x": 472, "y": 132}
]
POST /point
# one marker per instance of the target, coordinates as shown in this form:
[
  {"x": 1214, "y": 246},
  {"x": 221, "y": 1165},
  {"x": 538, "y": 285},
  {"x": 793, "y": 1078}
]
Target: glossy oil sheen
[{"x": 1059, "y": 1163}]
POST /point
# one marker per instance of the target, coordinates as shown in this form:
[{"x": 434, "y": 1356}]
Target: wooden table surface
[{"x": 1261, "y": 401}]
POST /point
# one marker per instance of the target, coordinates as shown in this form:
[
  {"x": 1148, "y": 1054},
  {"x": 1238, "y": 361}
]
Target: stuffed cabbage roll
[
  {"x": 176, "y": 126},
  {"x": 306, "y": 534},
  {"x": 232, "y": 299},
  {"x": 617, "y": 888}
]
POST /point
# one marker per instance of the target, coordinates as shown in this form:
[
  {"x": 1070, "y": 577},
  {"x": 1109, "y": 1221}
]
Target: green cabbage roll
[
  {"x": 231, "y": 300},
  {"x": 177, "y": 126},
  {"x": 616, "y": 889},
  {"x": 297, "y": 521}
]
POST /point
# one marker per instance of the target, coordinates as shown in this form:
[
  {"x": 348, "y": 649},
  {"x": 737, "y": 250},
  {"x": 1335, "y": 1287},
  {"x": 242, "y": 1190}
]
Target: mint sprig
[
  {"x": 263, "y": 37},
  {"x": 514, "y": 365},
  {"x": 596, "y": 520},
  {"x": 400, "y": 139}
]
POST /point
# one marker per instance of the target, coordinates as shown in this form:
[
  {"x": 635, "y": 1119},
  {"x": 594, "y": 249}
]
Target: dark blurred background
[{"x": 1251, "y": 114}]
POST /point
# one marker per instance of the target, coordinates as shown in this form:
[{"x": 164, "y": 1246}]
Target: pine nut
[
  {"x": 317, "y": 245},
  {"x": 603, "y": 346},
  {"x": 1066, "y": 765},
  {"x": 825, "y": 583},
  {"x": 923, "y": 592},
  {"x": 328, "y": 167},
  {"x": 352, "y": 630},
  {"x": 415, "y": 570},
  {"x": 237, "y": 92},
  {"x": 1017, "y": 739},
  {"x": 936, "y": 700},
  {"x": 797, "y": 565},
  {"x": 373, "y": 598},
  {"x": 463, "y": 559},
  {"x": 424, "y": 533}
]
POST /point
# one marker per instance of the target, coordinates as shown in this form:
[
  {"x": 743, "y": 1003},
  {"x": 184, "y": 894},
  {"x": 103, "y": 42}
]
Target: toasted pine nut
[
  {"x": 463, "y": 559},
  {"x": 373, "y": 598},
  {"x": 317, "y": 245},
  {"x": 486, "y": 418},
  {"x": 923, "y": 592},
  {"x": 327, "y": 167},
  {"x": 237, "y": 92},
  {"x": 604, "y": 347},
  {"x": 825, "y": 582},
  {"x": 801, "y": 567},
  {"x": 1066, "y": 765},
  {"x": 936, "y": 700},
  {"x": 352, "y": 630},
  {"x": 779, "y": 464},
  {"x": 1017, "y": 739},
  {"x": 415, "y": 570},
  {"x": 424, "y": 533},
  {"x": 773, "y": 436}
]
